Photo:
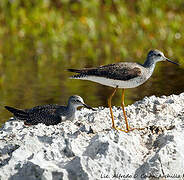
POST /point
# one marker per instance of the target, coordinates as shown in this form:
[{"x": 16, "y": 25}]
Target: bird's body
[
  {"x": 122, "y": 75},
  {"x": 51, "y": 114}
]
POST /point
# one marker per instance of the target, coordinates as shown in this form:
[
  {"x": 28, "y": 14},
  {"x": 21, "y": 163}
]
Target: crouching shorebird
[
  {"x": 122, "y": 75},
  {"x": 51, "y": 114}
]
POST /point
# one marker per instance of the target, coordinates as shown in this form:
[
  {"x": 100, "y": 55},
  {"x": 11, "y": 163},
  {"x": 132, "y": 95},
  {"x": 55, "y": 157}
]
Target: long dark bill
[
  {"x": 89, "y": 107},
  {"x": 171, "y": 61}
]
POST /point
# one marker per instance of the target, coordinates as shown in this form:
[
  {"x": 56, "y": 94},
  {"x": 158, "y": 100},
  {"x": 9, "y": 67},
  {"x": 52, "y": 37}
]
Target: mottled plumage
[
  {"x": 51, "y": 114},
  {"x": 118, "y": 71},
  {"x": 121, "y": 75}
]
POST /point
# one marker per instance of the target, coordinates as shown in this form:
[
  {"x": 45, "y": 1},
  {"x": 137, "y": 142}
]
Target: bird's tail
[
  {"x": 81, "y": 73},
  {"x": 20, "y": 114},
  {"x": 75, "y": 70}
]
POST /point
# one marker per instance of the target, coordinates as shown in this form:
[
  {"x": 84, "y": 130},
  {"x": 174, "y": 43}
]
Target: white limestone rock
[{"x": 89, "y": 149}]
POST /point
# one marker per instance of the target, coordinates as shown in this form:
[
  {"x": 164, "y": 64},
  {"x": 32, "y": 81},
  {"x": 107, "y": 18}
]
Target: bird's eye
[{"x": 159, "y": 55}]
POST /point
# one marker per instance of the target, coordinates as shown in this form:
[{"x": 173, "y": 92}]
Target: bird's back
[
  {"x": 46, "y": 114},
  {"x": 123, "y": 74},
  {"x": 118, "y": 71}
]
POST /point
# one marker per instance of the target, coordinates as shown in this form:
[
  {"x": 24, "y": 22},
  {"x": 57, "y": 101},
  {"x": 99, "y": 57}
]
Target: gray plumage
[
  {"x": 118, "y": 71},
  {"x": 51, "y": 114},
  {"x": 123, "y": 74}
]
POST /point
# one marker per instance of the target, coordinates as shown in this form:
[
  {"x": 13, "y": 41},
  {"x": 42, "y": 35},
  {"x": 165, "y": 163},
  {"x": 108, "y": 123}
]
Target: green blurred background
[{"x": 40, "y": 39}]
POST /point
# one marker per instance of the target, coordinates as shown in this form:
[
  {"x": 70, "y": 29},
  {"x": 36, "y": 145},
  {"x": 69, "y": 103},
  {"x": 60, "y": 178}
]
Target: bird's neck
[
  {"x": 149, "y": 64},
  {"x": 71, "y": 108}
]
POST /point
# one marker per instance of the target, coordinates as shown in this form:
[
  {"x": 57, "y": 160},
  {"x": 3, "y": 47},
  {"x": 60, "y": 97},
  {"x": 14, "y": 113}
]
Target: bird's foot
[{"x": 123, "y": 130}]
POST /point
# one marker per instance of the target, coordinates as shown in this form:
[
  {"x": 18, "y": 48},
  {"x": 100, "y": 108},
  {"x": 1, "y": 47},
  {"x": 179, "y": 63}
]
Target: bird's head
[
  {"x": 156, "y": 56},
  {"x": 77, "y": 101}
]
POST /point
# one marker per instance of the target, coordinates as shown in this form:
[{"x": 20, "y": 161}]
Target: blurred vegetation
[{"x": 40, "y": 39}]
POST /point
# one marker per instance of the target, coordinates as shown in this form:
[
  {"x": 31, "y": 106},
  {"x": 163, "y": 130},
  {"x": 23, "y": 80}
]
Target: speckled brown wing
[
  {"x": 46, "y": 114},
  {"x": 118, "y": 71}
]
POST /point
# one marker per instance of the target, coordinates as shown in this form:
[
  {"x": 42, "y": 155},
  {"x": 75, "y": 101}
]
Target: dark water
[{"x": 28, "y": 84}]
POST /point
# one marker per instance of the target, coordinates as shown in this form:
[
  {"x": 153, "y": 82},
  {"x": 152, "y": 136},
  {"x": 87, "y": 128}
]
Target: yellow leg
[
  {"x": 109, "y": 103},
  {"x": 124, "y": 113},
  {"x": 112, "y": 117}
]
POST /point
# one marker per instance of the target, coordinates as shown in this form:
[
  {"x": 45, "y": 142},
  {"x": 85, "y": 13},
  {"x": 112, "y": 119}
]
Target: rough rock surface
[{"x": 89, "y": 149}]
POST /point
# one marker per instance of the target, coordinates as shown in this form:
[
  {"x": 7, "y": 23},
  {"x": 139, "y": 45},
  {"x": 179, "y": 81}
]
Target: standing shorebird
[
  {"x": 51, "y": 114},
  {"x": 122, "y": 75}
]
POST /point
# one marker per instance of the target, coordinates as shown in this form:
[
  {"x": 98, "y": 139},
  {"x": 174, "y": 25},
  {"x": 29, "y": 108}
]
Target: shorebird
[
  {"x": 51, "y": 114},
  {"x": 122, "y": 75}
]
